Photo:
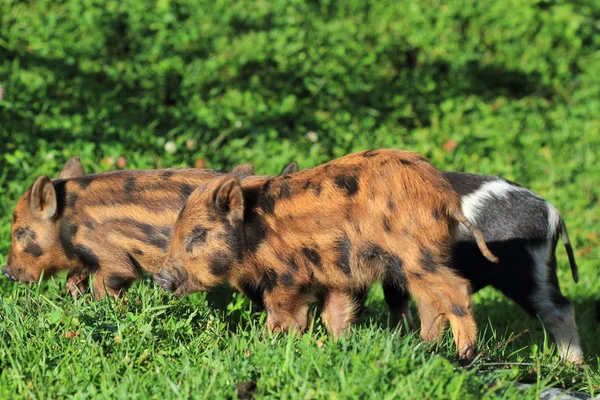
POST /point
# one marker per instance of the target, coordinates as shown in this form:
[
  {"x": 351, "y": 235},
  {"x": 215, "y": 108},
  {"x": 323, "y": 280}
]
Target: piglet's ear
[
  {"x": 291, "y": 168},
  {"x": 43, "y": 198},
  {"x": 242, "y": 170},
  {"x": 230, "y": 200},
  {"x": 72, "y": 169}
]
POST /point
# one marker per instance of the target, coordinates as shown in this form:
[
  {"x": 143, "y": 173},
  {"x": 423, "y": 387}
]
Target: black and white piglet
[{"x": 522, "y": 230}]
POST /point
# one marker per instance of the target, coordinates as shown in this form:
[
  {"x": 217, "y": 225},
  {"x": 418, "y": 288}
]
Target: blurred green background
[{"x": 509, "y": 88}]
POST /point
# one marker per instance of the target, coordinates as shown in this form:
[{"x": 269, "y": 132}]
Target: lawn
[{"x": 500, "y": 88}]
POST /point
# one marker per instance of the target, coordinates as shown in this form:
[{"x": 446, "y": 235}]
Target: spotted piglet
[
  {"x": 523, "y": 230},
  {"x": 113, "y": 226},
  {"x": 325, "y": 233}
]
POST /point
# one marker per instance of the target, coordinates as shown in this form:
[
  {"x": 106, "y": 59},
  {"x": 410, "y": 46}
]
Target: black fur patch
[
  {"x": 405, "y": 162},
  {"x": 391, "y": 205},
  {"x": 255, "y": 229},
  {"x": 72, "y": 199},
  {"x": 370, "y": 153},
  {"x": 167, "y": 174},
  {"x": 14, "y": 218},
  {"x": 287, "y": 279},
  {"x": 317, "y": 188},
  {"x": 137, "y": 252},
  {"x": 134, "y": 263},
  {"x": 197, "y": 237},
  {"x": 269, "y": 280},
  {"x": 293, "y": 264},
  {"x": 416, "y": 275},
  {"x": 84, "y": 181},
  {"x": 313, "y": 256},
  {"x": 220, "y": 264},
  {"x": 153, "y": 235},
  {"x": 436, "y": 214},
  {"x": 306, "y": 184},
  {"x": 23, "y": 233},
  {"x": 117, "y": 282},
  {"x": 34, "y": 249},
  {"x": 343, "y": 247},
  {"x": 284, "y": 192},
  {"x": 185, "y": 191},
  {"x": 459, "y": 311},
  {"x": 129, "y": 186},
  {"x": 347, "y": 183},
  {"x": 387, "y": 226},
  {"x": 428, "y": 261},
  {"x": 66, "y": 231},
  {"x": 88, "y": 258},
  {"x": 90, "y": 225}
]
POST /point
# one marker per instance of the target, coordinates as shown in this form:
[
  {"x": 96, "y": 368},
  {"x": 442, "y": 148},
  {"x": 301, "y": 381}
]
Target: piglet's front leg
[
  {"x": 340, "y": 310},
  {"x": 77, "y": 283},
  {"x": 287, "y": 309}
]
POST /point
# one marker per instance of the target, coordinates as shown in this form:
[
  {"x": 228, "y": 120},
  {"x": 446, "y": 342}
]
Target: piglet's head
[
  {"x": 35, "y": 244},
  {"x": 207, "y": 240}
]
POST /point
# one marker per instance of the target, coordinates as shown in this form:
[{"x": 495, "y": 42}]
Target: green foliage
[{"x": 506, "y": 88}]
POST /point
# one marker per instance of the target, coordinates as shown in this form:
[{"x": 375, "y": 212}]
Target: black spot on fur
[
  {"x": 167, "y": 174},
  {"x": 370, "y": 153},
  {"x": 88, "y": 258},
  {"x": 129, "y": 186},
  {"x": 185, "y": 191},
  {"x": 117, "y": 282},
  {"x": 135, "y": 265},
  {"x": 343, "y": 247},
  {"x": 14, "y": 218},
  {"x": 428, "y": 261},
  {"x": 416, "y": 275},
  {"x": 89, "y": 224},
  {"x": 266, "y": 200},
  {"x": 293, "y": 264},
  {"x": 313, "y": 256},
  {"x": 232, "y": 239},
  {"x": 34, "y": 249},
  {"x": 306, "y": 184},
  {"x": 459, "y": 311},
  {"x": 137, "y": 252},
  {"x": 387, "y": 226},
  {"x": 436, "y": 214},
  {"x": 405, "y": 162},
  {"x": 317, "y": 188},
  {"x": 391, "y": 205},
  {"x": 287, "y": 279},
  {"x": 255, "y": 228},
  {"x": 84, "y": 181},
  {"x": 374, "y": 255},
  {"x": 220, "y": 264},
  {"x": 347, "y": 183},
  {"x": 284, "y": 192},
  {"x": 66, "y": 231},
  {"x": 72, "y": 199},
  {"x": 269, "y": 280},
  {"x": 197, "y": 237}
]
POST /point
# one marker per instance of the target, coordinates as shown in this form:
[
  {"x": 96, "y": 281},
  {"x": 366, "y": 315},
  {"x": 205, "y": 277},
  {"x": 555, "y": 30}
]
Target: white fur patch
[
  {"x": 560, "y": 321},
  {"x": 473, "y": 204},
  {"x": 553, "y": 220}
]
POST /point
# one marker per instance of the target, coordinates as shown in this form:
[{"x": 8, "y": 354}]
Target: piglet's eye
[
  {"x": 196, "y": 237},
  {"x": 23, "y": 233}
]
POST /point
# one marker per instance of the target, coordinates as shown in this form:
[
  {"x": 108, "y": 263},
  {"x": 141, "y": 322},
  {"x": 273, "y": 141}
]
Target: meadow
[{"x": 506, "y": 88}]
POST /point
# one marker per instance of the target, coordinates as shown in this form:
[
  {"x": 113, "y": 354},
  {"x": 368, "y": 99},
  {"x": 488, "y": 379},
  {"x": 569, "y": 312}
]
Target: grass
[
  {"x": 499, "y": 88},
  {"x": 150, "y": 344}
]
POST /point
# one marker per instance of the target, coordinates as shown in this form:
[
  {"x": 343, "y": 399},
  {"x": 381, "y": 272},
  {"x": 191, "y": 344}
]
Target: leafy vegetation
[{"x": 505, "y": 88}]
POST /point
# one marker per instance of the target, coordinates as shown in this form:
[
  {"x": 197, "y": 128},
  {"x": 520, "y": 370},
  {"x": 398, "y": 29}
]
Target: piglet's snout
[
  {"x": 171, "y": 276},
  {"x": 6, "y": 274}
]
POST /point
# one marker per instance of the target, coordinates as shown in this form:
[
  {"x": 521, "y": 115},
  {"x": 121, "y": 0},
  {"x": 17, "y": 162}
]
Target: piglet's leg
[
  {"x": 77, "y": 283},
  {"x": 111, "y": 283},
  {"x": 398, "y": 301},
  {"x": 442, "y": 294},
  {"x": 340, "y": 310},
  {"x": 287, "y": 309}
]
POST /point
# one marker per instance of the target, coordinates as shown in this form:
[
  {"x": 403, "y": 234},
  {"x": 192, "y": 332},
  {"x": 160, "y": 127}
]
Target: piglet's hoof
[{"x": 467, "y": 352}]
